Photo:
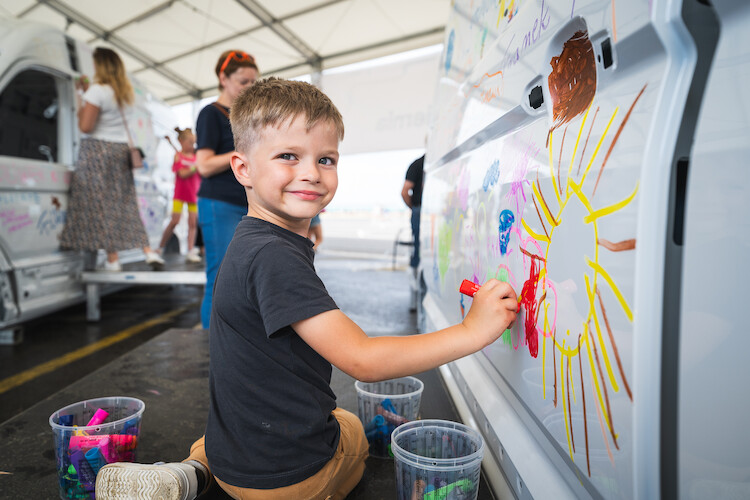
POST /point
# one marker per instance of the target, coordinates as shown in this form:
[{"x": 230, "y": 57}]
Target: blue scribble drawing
[
  {"x": 449, "y": 51},
  {"x": 50, "y": 220},
  {"x": 492, "y": 175},
  {"x": 506, "y": 224}
]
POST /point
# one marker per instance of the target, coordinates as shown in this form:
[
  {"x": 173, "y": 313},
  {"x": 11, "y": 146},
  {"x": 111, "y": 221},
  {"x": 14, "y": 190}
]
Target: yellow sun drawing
[{"x": 572, "y": 215}]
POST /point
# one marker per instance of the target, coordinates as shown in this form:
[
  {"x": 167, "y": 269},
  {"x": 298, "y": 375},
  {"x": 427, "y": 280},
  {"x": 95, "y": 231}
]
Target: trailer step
[{"x": 93, "y": 280}]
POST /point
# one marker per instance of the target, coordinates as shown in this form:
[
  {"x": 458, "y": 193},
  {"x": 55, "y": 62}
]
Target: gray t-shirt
[{"x": 270, "y": 422}]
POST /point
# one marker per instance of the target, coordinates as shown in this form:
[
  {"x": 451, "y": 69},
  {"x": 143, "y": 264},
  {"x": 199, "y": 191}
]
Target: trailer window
[{"x": 29, "y": 117}]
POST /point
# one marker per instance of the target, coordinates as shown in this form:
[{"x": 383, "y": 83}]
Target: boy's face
[{"x": 290, "y": 173}]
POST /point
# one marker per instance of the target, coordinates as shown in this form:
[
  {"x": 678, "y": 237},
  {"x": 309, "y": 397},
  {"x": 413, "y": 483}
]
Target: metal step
[
  {"x": 93, "y": 280},
  {"x": 146, "y": 277}
]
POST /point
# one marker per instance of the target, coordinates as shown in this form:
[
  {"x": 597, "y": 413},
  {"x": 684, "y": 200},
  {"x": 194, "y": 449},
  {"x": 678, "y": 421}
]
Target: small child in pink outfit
[{"x": 186, "y": 184}]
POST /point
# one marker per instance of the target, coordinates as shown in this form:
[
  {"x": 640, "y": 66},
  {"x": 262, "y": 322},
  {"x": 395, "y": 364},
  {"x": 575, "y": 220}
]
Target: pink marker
[{"x": 99, "y": 417}]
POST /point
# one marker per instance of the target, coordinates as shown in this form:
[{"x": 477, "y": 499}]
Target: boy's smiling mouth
[{"x": 306, "y": 195}]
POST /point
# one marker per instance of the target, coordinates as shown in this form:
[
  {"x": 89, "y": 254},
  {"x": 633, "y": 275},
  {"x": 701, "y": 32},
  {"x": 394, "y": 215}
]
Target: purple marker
[{"x": 86, "y": 475}]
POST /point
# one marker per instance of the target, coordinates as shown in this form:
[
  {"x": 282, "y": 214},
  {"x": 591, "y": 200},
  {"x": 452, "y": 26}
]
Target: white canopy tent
[{"x": 172, "y": 45}]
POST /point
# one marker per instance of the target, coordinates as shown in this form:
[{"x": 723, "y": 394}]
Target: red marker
[{"x": 470, "y": 288}]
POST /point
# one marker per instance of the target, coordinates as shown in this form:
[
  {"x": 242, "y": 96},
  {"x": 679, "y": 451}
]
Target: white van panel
[
  {"x": 557, "y": 132},
  {"x": 713, "y": 440}
]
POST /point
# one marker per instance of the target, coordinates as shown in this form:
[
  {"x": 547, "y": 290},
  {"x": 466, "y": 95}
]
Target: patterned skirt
[{"x": 102, "y": 206}]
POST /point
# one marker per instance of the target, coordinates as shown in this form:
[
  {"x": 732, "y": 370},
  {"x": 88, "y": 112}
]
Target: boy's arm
[{"x": 338, "y": 339}]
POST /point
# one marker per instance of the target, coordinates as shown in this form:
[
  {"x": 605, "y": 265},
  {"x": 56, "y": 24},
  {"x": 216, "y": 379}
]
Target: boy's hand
[{"x": 492, "y": 311}]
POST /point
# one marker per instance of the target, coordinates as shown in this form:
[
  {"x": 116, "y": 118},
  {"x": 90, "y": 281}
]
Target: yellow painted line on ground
[{"x": 53, "y": 364}]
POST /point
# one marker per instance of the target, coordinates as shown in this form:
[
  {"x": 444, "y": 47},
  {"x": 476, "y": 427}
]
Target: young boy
[{"x": 273, "y": 428}]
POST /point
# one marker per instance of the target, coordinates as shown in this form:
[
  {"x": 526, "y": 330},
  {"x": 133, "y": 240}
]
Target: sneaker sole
[{"x": 139, "y": 482}]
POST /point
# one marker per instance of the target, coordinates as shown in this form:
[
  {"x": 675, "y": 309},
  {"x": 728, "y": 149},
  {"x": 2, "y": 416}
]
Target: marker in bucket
[
  {"x": 470, "y": 288},
  {"x": 99, "y": 417}
]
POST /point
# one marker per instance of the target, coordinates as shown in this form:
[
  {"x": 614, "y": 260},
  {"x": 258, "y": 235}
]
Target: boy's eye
[
  {"x": 287, "y": 156},
  {"x": 327, "y": 161}
]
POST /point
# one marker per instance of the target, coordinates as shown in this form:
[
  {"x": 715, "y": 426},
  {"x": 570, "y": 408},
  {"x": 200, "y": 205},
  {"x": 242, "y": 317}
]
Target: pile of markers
[
  {"x": 81, "y": 454},
  {"x": 463, "y": 489},
  {"x": 379, "y": 429}
]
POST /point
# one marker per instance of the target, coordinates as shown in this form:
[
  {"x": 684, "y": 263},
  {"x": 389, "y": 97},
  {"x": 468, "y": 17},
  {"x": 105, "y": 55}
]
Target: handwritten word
[
  {"x": 513, "y": 55},
  {"x": 13, "y": 221}
]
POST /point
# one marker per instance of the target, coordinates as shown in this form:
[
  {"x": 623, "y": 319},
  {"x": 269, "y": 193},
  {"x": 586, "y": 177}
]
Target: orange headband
[{"x": 237, "y": 56}]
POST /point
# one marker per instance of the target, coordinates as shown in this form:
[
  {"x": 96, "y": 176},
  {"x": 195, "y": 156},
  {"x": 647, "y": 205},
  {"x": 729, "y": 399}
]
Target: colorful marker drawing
[
  {"x": 556, "y": 202},
  {"x": 573, "y": 195}
]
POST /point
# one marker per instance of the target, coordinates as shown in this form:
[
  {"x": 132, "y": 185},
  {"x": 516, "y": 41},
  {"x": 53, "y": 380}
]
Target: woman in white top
[{"x": 102, "y": 209}]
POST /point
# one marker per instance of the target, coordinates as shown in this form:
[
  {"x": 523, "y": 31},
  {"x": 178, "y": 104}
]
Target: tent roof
[{"x": 172, "y": 45}]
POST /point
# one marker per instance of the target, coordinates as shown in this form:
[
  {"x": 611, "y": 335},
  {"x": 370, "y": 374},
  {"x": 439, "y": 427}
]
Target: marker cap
[{"x": 468, "y": 288}]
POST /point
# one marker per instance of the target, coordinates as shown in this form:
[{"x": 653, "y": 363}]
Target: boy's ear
[{"x": 240, "y": 168}]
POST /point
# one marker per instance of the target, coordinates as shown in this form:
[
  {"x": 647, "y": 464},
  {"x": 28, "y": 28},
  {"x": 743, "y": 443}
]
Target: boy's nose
[{"x": 309, "y": 171}]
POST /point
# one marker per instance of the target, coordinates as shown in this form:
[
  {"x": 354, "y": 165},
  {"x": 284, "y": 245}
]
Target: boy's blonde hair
[{"x": 273, "y": 101}]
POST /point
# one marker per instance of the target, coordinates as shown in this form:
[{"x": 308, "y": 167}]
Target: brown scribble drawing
[
  {"x": 570, "y": 407},
  {"x": 617, "y": 136},
  {"x": 583, "y": 399},
  {"x": 540, "y": 216},
  {"x": 605, "y": 391},
  {"x": 612, "y": 342},
  {"x": 583, "y": 152},
  {"x": 620, "y": 246},
  {"x": 572, "y": 81}
]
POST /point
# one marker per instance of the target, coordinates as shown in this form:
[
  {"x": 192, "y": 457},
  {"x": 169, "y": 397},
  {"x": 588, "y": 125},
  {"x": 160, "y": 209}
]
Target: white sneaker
[
  {"x": 114, "y": 267},
  {"x": 154, "y": 259},
  {"x": 129, "y": 481},
  {"x": 193, "y": 256}
]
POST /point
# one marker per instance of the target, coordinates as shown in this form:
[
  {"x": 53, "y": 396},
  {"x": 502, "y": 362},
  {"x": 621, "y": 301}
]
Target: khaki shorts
[{"x": 334, "y": 481}]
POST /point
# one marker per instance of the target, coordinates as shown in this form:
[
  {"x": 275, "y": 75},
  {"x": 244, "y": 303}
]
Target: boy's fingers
[
  {"x": 504, "y": 289},
  {"x": 510, "y": 304}
]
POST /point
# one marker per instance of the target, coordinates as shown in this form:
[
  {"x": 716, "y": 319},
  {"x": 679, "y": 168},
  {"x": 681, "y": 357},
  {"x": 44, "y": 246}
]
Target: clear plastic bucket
[
  {"x": 82, "y": 449},
  {"x": 383, "y": 406},
  {"x": 437, "y": 460}
]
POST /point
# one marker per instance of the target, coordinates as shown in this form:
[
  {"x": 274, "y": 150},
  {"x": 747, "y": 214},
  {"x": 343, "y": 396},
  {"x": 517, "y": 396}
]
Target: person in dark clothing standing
[
  {"x": 221, "y": 199},
  {"x": 412, "y": 195}
]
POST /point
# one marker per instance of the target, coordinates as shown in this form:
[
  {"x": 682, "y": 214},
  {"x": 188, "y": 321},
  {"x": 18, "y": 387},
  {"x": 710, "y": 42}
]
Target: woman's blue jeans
[{"x": 218, "y": 220}]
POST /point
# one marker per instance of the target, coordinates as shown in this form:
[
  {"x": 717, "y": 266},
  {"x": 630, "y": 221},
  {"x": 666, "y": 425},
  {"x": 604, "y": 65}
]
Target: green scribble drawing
[
  {"x": 502, "y": 275},
  {"x": 445, "y": 241}
]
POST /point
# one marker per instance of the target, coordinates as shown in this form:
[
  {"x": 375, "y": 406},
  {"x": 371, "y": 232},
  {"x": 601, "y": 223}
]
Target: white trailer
[
  {"x": 39, "y": 138},
  {"x": 593, "y": 154}
]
